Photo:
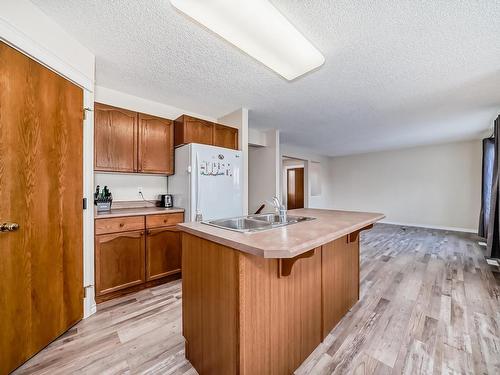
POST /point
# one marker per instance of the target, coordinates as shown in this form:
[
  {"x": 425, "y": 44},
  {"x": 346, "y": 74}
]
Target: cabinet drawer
[
  {"x": 155, "y": 221},
  {"x": 119, "y": 224}
]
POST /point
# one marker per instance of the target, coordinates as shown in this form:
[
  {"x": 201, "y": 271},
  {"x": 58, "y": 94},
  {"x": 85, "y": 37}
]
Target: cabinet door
[
  {"x": 115, "y": 139},
  {"x": 156, "y": 145},
  {"x": 119, "y": 261},
  {"x": 225, "y": 136},
  {"x": 163, "y": 252},
  {"x": 192, "y": 130}
]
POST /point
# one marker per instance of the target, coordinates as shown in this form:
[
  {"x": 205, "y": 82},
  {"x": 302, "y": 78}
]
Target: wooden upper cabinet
[
  {"x": 225, "y": 136},
  {"x": 115, "y": 134},
  {"x": 127, "y": 141},
  {"x": 156, "y": 145},
  {"x": 193, "y": 130}
]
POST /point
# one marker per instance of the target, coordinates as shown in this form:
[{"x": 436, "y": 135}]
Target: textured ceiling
[{"x": 397, "y": 73}]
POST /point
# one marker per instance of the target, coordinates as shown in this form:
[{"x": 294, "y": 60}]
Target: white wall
[
  {"x": 263, "y": 162},
  {"x": 324, "y": 199},
  {"x": 124, "y": 186},
  {"x": 431, "y": 186},
  {"x": 239, "y": 119},
  {"x": 25, "y": 26},
  {"x": 134, "y": 103}
]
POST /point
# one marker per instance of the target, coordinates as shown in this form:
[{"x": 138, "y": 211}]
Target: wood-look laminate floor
[{"x": 430, "y": 304}]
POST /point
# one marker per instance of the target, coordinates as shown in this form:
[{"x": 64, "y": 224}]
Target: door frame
[{"x": 23, "y": 43}]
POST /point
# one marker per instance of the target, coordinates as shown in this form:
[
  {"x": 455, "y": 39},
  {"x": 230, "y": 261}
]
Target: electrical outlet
[{"x": 139, "y": 190}]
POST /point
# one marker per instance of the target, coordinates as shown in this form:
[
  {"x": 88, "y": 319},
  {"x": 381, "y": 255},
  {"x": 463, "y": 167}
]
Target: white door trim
[{"x": 19, "y": 40}]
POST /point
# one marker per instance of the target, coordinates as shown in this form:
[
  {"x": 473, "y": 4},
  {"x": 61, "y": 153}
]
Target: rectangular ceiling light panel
[{"x": 260, "y": 30}]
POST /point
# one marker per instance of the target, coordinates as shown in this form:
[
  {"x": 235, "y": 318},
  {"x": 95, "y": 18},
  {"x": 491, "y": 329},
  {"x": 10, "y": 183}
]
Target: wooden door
[
  {"x": 41, "y": 138},
  {"x": 225, "y": 136},
  {"x": 156, "y": 145},
  {"x": 163, "y": 252},
  {"x": 119, "y": 261},
  {"x": 295, "y": 188},
  {"x": 193, "y": 130},
  {"x": 115, "y": 139}
]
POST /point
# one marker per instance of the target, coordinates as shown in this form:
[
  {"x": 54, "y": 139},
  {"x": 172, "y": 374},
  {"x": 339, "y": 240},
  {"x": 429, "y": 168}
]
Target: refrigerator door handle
[{"x": 199, "y": 215}]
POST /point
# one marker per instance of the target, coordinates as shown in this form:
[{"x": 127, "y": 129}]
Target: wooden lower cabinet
[
  {"x": 163, "y": 252},
  {"x": 120, "y": 261},
  {"x": 136, "y": 252}
]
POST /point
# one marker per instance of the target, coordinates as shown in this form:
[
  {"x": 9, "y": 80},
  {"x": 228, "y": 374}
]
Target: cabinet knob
[{"x": 122, "y": 225}]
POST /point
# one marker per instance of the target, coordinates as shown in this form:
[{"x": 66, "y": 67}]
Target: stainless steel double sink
[{"x": 256, "y": 223}]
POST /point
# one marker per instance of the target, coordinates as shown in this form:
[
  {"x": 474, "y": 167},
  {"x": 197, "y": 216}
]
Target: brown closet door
[{"x": 41, "y": 288}]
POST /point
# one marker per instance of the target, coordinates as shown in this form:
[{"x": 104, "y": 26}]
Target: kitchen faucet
[{"x": 280, "y": 208}]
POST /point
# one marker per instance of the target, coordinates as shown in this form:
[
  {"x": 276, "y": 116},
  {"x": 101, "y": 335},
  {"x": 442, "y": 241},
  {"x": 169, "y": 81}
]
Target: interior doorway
[{"x": 293, "y": 183}]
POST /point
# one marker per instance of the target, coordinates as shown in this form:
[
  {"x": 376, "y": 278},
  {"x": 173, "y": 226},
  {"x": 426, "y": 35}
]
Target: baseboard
[
  {"x": 453, "y": 229},
  {"x": 89, "y": 303}
]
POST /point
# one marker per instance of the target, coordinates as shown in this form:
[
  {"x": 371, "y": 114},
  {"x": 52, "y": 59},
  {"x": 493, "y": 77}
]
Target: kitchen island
[{"x": 260, "y": 303}]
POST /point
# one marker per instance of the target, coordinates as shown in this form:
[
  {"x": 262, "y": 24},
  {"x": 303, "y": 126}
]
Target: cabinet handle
[
  {"x": 142, "y": 234},
  {"x": 149, "y": 231}
]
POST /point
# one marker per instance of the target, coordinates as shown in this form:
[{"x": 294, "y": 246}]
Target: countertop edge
[
  {"x": 140, "y": 212},
  {"x": 278, "y": 253}
]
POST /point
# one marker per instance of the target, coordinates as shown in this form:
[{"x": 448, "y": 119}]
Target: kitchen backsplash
[{"x": 125, "y": 186}]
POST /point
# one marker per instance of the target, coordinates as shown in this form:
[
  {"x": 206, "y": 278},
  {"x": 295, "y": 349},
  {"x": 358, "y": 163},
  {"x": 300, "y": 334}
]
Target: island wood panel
[
  {"x": 340, "y": 280},
  {"x": 163, "y": 252},
  {"x": 119, "y": 261},
  {"x": 115, "y": 139},
  {"x": 237, "y": 303},
  {"x": 225, "y": 136},
  {"x": 41, "y": 139},
  {"x": 280, "y": 318},
  {"x": 210, "y": 305},
  {"x": 354, "y": 275},
  {"x": 156, "y": 145},
  {"x": 192, "y": 130}
]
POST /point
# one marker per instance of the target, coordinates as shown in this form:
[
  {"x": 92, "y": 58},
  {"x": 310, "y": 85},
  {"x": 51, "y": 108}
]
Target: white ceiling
[{"x": 397, "y": 73}]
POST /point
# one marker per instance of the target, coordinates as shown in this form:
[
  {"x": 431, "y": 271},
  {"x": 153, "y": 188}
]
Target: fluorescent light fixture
[{"x": 260, "y": 30}]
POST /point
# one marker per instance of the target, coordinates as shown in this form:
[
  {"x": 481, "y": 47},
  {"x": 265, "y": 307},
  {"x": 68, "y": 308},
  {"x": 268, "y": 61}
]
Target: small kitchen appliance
[{"x": 166, "y": 200}]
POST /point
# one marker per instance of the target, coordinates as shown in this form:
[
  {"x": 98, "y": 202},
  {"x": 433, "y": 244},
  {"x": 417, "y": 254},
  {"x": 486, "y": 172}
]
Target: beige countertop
[
  {"x": 136, "y": 211},
  {"x": 291, "y": 240}
]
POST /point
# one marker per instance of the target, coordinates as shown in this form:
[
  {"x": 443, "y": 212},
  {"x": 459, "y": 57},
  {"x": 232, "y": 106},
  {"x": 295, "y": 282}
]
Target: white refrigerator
[{"x": 207, "y": 182}]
